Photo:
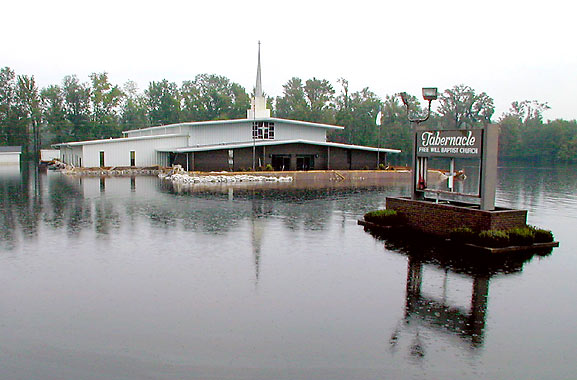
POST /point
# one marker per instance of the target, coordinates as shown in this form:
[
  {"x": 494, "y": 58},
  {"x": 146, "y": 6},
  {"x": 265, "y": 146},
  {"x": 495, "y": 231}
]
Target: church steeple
[
  {"x": 258, "y": 87},
  {"x": 258, "y": 108}
]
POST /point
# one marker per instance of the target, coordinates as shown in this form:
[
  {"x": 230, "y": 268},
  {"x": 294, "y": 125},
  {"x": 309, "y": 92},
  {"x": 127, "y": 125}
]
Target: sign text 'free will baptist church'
[{"x": 461, "y": 143}]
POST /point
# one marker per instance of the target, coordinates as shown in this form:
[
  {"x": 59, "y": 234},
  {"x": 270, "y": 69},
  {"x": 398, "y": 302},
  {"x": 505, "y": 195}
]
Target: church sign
[{"x": 459, "y": 143}]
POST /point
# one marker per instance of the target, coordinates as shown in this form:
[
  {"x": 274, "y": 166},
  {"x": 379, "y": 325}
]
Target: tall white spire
[
  {"x": 258, "y": 108},
  {"x": 258, "y": 87}
]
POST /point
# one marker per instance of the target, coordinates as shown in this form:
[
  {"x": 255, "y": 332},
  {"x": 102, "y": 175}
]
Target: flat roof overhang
[
  {"x": 117, "y": 140},
  {"x": 259, "y": 143}
]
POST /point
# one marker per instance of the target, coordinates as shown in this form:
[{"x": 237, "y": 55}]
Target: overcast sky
[{"x": 512, "y": 50}]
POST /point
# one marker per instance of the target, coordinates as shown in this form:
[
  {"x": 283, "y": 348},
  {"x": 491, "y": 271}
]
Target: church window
[{"x": 263, "y": 130}]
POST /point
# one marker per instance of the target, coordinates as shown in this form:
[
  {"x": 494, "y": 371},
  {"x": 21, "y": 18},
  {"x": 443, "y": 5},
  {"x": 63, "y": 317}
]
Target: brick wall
[{"x": 440, "y": 219}]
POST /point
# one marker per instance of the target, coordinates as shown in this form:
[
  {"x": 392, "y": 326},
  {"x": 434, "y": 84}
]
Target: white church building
[{"x": 229, "y": 145}]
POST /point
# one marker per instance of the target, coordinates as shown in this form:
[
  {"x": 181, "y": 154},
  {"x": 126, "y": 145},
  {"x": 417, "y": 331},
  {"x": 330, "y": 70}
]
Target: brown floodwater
[{"x": 127, "y": 278}]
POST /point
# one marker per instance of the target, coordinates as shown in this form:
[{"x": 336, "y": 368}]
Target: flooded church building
[{"x": 228, "y": 145}]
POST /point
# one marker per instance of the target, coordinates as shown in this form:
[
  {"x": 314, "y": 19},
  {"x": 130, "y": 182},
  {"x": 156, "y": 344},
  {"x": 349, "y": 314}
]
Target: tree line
[{"x": 74, "y": 110}]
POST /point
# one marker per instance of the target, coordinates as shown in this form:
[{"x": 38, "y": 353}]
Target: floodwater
[{"x": 124, "y": 278}]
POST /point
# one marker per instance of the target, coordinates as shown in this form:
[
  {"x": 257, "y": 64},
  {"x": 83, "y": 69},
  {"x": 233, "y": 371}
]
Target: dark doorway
[
  {"x": 306, "y": 162},
  {"x": 132, "y": 158},
  {"x": 101, "y": 159},
  {"x": 350, "y": 159},
  {"x": 281, "y": 162}
]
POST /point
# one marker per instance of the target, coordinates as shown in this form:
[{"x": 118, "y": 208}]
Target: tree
[
  {"x": 19, "y": 111},
  {"x": 133, "y": 114},
  {"x": 356, "y": 112},
  {"x": 77, "y": 106},
  {"x": 311, "y": 101},
  {"x": 106, "y": 100},
  {"x": 460, "y": 107},
  {"x": 8, "y": 112},
  {"x": 58, "y": 127},
  {"x": 241, "y": 101},
  {"x": 213, "y": 97},
  {"x": 320, "y": 96},
  {"x": 343, "y": 114},
  {"x": 527, "y": 110},
  {"x": 519, "y": 129},
  {"x": 292, "y": 105},
  {"x": 396, "y": 130},
  {"x": 163, "y": 103},
  {"x": 28, "y": 102}
]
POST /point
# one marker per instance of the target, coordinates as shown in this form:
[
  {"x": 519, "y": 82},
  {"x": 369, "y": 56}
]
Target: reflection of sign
[{"x": 450, "y": 143}]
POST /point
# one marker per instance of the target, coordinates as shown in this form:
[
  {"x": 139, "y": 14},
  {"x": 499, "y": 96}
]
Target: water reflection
[
  {"x": 20, "y": 203},
  {"x": 437, "y": 312},
  {"x": 104, "y": 204},
  {"x": 107, "y": 270}
]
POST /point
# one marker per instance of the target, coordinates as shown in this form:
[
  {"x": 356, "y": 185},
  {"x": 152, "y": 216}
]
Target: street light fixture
[
  {"x": 419, "y": 176},
  {"x": 429, "y": 94}
]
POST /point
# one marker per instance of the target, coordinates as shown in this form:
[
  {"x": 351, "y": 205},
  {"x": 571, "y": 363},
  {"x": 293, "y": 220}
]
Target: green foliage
[
  {"x": 20, "y": 112},
  {"x": 320, "y": 95},
  {"x": 268, "y": 168},
  {"x": 163, "y": 102},
  {"x": 382, "y": 217},
  {"x": 521, "y": 236},
  {"x": 57, "y": 126},
  {"x": 463, "y": 235},
  {"x": 493, "y": 238},
  {"x": 77, "y": 107},
  {"x": 213, "y": 97},
  {"x": 292, "y": 105},
  {"x": 524, "y": 135},
  {"x": 106, "y": 100},
  {"x": 461, "y": 107},
  {"x": 133, "y": 108},
  {"x": 357, "y": 112},
  {"x": 311, "y": 101},
  {"x": 542, "y": 236},
  {"x": 74, "y": 111}
]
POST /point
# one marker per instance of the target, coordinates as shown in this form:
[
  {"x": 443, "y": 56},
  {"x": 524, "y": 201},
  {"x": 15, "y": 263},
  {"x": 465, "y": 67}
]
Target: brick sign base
[{"x": 439, "y": 218}]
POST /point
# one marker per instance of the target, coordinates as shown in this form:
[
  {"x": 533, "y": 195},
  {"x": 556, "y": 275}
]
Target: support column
[
  {"x": 488, "y": 180},
  {"x": 479, "y": 302}
]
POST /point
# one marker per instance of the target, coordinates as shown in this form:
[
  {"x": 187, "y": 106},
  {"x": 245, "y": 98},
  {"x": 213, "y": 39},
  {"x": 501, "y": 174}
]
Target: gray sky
[{"x": 512, "y": 50}]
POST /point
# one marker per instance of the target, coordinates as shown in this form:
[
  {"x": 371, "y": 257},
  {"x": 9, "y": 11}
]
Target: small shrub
[
  {"x": 268, "y": 168},
  {"x": 521, "y": 236},
  {"x": 493, "y": 238},
  {"x": 541, "y": 235},
  {"x": 382, "y": 217},
  {"x": 463, "y": 235}
]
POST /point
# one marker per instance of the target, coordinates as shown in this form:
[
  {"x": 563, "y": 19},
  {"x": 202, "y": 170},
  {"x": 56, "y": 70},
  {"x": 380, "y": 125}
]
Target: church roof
[
  {"x": 259, "y": 143},
  {"x": 235, "y": 121}
]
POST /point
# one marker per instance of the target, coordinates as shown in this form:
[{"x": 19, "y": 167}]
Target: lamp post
[
  {"x": 378, "y": 121},
  {"x": 419, "y": 174}
]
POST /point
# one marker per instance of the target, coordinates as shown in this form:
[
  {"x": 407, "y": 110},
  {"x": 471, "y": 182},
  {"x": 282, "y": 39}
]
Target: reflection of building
[
  {"x": 230, "y": 145},
  {"x": 10, "y": 154}
]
